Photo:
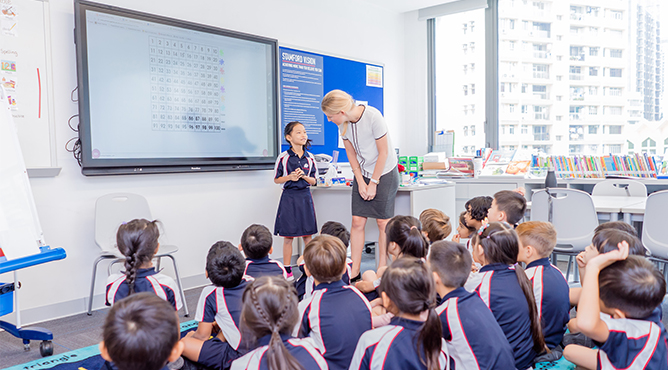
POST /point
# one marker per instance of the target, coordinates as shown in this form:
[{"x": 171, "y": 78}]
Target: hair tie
[
  {"x": 482, "y": 228},
  {"x": 413, "y": 227}
]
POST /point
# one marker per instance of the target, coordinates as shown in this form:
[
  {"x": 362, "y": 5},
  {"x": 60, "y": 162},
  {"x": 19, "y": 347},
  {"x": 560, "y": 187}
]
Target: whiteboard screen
[{"x": 161, "y": 92}]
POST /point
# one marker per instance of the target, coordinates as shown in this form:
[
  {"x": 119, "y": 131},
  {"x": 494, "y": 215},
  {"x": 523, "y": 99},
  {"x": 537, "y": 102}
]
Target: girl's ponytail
[
  {"x": 409, "y": 284},
  {"x": 430, "y": 338},
  {"x": 138, "y": 241},
  {"x": 536, "y": 327},
  {"x": 406, "y": 232},
  {"x": 270, "y": 308}
]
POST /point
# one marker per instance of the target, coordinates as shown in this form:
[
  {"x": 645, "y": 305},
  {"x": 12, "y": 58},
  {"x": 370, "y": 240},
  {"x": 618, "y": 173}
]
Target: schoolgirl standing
[{"x": 296, "y": 170}]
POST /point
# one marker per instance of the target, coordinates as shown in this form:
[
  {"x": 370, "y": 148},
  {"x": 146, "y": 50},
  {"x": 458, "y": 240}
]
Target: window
[
  {"x": 593, "y": 71},
  {"x": 631, "y": 146},
  {"x": 649, "y": 146},
  {"x": 614, "y": 148},
  {"x": 541, "y": 71},
  {"x": 559, "y": 118},
  {"x": 593, "y": 90},
  {"x": 615, "y": 72},
  {"x": 464, "y": 27},
  {"x": 615, "y": 53},
  {"x": 614, "y": 111},
  {"x": 541, "y": 133},
  {"x": 575, "y": 132},
  {"x": 575, "y": 73},
  {"x": 593, "y": 129},
  {"x": 593, "y": 110},
  {"x": 511, "y": 129},
  {"x": 593, "y": 51},
  {"x": 574, "y": 149},
  {"x": 459, "y": 95},
  {"x": 615, "y": 130},
  {"x": 524, "y": 129},
  {"x": 615, "y": 91}
]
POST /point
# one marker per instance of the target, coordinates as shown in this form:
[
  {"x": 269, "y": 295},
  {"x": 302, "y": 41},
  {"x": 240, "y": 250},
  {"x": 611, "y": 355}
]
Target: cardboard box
[{"x": 434, "y": 166}]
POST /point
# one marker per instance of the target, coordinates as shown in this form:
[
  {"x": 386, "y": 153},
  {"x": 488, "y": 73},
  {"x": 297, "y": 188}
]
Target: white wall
[{"x": 199, "y": 209}]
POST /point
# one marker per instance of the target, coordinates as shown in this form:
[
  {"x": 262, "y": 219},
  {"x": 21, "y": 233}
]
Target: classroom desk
[
  {"x": 634, "y": 212},
  {"x": 334, "y": 204},
  {"x": 611, "y": 206}
]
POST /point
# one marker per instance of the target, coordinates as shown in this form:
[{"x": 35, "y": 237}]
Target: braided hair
[
  {"x": 138, "y": 241},
  {"x": 270, "y": 308}
]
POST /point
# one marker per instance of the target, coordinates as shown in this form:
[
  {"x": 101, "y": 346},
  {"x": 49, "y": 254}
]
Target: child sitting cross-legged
[
  {"x": 550, "y": 289},
  {"x": 336, "y": 314},
  {"x": 141, "y": 332},
  {"x": 219, "y": 307},
  {"x": 474, "y": 339},
  {"x": 629, "y": 289}
]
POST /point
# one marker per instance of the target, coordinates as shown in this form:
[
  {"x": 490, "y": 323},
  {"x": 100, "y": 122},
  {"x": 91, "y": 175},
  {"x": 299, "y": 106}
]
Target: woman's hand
[
  {"x": 362, "y": 188},
  {"x": 371, "y": 191}
]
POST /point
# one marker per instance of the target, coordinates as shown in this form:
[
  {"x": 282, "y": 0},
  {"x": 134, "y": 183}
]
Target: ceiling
[{"x": 402, "y": 6}]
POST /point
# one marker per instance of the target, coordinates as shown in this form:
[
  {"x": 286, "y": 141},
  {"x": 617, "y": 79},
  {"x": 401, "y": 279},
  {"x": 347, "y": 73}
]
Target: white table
[
  {"x": 634, "y": 212},
  {"x": 611, "y": 206}
]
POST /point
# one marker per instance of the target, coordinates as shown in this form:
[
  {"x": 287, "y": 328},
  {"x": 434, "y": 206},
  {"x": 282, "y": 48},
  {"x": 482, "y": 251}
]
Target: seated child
[
  {"x": 336, "y": 314},
  {"x": 550, "y": 289},
  {"x": 476, "y": 213},
  {"x": 305, "y": 284},
  {"x": 463, "y": 231},
  {"x": 256, "y": 244},
  {"x": 474, "y": 338},
  {"x": 599, "y": 244},
  {"x": 629, "y": 289},
  {"x": 412, "y": 340},
  {"x": 507, "y": 291},
  {"x": 404, "y": 238},
  {"x": 219, "y": 305},
  {"x": 435, "y": 224},
  {"x": 141, "y": 332},
  {"x": 507, "y": 206},
  {"x": 138, "y": 241},
  {"x": 269, "y": 314}
]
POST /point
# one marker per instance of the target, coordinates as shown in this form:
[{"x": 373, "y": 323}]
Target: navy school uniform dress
[
  {"x": 335, "y": 318},
  {"x": 222, "y": 305},
  {"x": 392, "y": 347},
  {"x": 301, "y": 349},
  {"x": 474, "y": 339},
  {"x": 147, "y": 280},
  {"x": 501, "y": 292},
  {"x": 266, "y": 266},
  {"x": 634, "y": 344},
  {"x": 551, "y": 292},
  {"x": 296, "y": 214}
]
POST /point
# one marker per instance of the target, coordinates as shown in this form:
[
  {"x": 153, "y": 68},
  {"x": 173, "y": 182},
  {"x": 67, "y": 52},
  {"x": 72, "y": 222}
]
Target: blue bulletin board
[{"x": 306, "y": 77}]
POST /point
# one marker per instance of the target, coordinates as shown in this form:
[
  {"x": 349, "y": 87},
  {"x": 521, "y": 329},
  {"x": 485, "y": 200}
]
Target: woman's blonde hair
[{"x": 337, "y": 101}]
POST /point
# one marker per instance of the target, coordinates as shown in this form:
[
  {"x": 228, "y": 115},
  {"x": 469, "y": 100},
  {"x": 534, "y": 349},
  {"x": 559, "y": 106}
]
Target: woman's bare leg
[
  {"x": 357, "y": 243},
  {"x": 382, "y": 242}
]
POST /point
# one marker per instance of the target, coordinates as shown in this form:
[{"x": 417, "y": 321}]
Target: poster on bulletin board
[{"x": 306, "y": 77}]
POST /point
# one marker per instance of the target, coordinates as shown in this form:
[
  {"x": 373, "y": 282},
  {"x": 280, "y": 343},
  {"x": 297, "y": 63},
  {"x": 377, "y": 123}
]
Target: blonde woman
[{"x": 374, "y": 165}]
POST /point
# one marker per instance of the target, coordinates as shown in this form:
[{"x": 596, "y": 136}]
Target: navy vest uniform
[
  {"x": 147, "y": 280},
  {"x": 550, "y": 290},
  {"x": 301, "y": 349},
  {"x": 501, "y": 292},
  {"x": 473, "y": 337},
  {"x": 266, "y": 266},
  {"x": 222, "y": 305},
  {"x": 633, "y": 344},
  {"x": 393, "y": 347},
  {"x": 335, "y": 318},
  {"x": 296, "y": 214}
]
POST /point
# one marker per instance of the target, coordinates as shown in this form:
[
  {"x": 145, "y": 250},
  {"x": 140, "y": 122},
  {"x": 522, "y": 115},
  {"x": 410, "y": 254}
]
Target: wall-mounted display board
[
  {"x": 25, "y": 73},
  {"x": 306, "y": 77}
]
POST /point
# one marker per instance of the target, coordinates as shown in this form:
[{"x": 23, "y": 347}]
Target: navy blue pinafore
[{"x": 296, "y": 214}]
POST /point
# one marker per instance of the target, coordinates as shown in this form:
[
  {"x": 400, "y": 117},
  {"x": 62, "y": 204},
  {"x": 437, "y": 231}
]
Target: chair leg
[
  {"x": 576, "y": 273},
  {"x": 92, "y": 285},
  {"x": 178, "y": 282},
  {"x": 568, "y": 269},
  {"x": 157, "y": 264}
]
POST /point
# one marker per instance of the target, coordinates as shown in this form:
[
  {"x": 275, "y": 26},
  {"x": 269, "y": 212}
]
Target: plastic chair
[
  {"x": 573, "y": 215},
  {"x": 654, "y": 224},
  {"x": 111, "y": 211},
  {"x": 620, "y": 188}
]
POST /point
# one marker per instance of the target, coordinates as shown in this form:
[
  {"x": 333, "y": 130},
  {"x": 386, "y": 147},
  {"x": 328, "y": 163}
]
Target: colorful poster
[
  {"x": 301, "y": 93},
  {"x": 9, "y": 19},
  {"x": 374, "y": 76}
]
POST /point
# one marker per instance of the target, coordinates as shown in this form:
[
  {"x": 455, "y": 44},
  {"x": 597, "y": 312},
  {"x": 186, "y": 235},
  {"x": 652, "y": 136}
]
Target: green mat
[{"x": 87, "y": 358}]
